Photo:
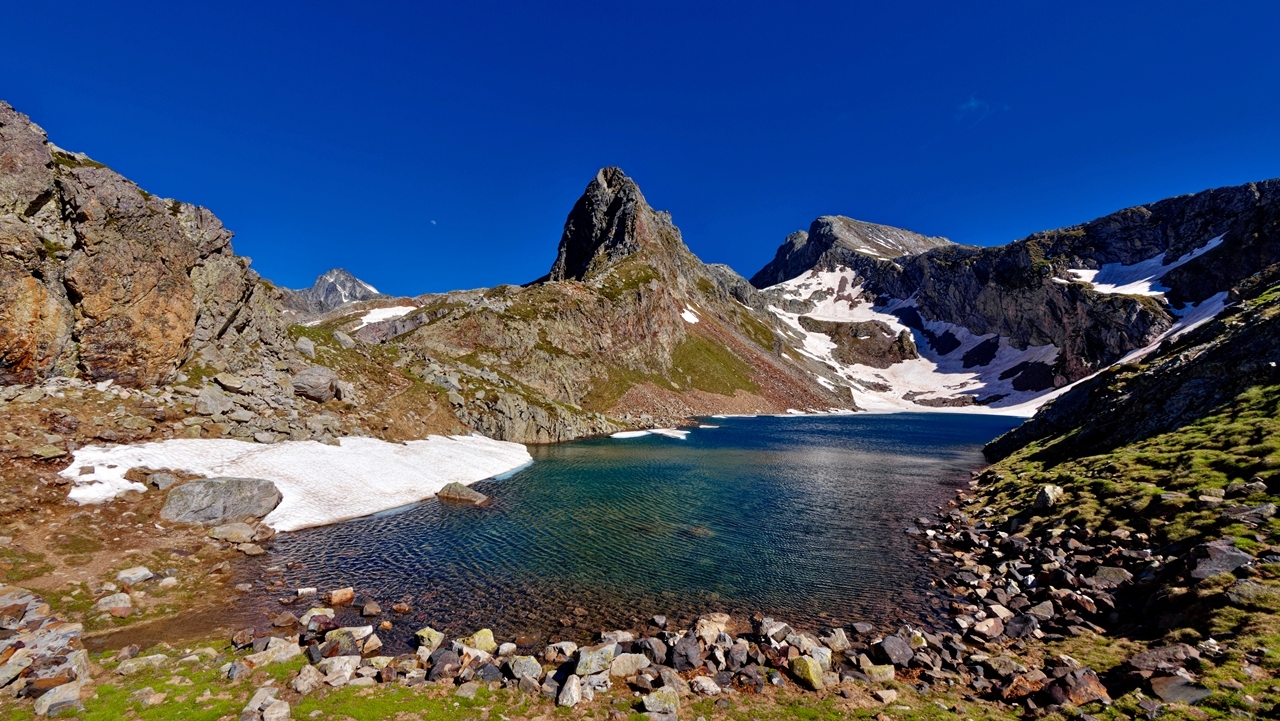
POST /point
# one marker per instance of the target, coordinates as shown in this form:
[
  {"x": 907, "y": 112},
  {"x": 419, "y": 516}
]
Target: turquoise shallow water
[{"x": 799, "y": 518}]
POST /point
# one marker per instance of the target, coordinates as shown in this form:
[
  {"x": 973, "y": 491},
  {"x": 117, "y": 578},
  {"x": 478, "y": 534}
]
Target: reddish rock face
[{"x": 100, "y": 278}]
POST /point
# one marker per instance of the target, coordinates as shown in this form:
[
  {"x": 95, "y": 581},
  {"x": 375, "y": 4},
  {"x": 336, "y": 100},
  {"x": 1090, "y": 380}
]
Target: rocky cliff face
[
  {"x": 101, "y": 279},
  {"x": 834, "y": 241},
  {"x": 332, "y": 290},
  {"x": 1184, "y": 380}
]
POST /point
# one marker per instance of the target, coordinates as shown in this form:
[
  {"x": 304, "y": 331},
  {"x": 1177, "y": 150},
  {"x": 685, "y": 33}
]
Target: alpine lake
[{"x": 798, "y": 518}]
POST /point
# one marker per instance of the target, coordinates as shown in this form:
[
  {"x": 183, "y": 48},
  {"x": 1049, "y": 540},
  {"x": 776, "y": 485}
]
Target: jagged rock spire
[{"x": 602, "y": 227}]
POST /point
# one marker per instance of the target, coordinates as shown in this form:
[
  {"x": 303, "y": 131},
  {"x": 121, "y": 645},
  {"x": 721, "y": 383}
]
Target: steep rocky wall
[
  {"x": 101, "y": 279},
  {"x": 1186, "y": 379}
]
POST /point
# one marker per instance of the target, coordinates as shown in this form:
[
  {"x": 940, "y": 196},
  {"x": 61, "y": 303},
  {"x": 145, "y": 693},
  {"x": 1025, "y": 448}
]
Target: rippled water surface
[{"x": 800, "y": 518}]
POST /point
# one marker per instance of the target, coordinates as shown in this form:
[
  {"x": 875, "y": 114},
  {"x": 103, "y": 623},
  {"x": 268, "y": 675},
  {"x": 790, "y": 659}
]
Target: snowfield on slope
[
  {"x": 378, "y": 315},
  {"x": 1141, "y": 278},
  {"x": 932, "y": 376},
  {"x": 321, "y": 484}
]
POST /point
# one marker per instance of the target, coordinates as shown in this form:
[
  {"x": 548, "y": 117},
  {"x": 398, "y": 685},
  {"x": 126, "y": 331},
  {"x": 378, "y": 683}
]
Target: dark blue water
[{"x": 799, "y": 518}]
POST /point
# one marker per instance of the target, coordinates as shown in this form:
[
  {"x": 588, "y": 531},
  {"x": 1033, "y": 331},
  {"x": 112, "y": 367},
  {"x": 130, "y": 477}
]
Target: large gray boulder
[
  {"x": 216, "y": 501},
  {"x": 317, "y": 383}
]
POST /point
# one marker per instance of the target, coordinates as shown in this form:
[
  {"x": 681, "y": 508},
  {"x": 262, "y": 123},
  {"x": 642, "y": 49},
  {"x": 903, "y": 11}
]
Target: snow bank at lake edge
[{"x": 321, "y": 484}]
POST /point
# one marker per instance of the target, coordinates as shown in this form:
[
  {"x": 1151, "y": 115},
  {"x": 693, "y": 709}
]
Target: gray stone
[
  {"x": 894, "y": 650},
  {"x": 212, "y": 402},
  {"x": 571, "y": 692},
  {"x": 1210, "y": 559},
  {"x": 1251, "y": 593},
  {"x": 705, "y": 686},
  {"x": 61, "y": 698},
  {"x": 594, "y": 659},
  {"x": 305, "y": 346},
  {"x": 163, "y": 481},
  {"x": 134, "y": 576},
  {"x": 307, "y": 680},
  {"x": 664, "y": 700},
  {"x": 215, "y": 501},
  {"x": 525, "y": 666},
  {"x": 627, "y": 664},
  {"x": 131, "y": 666},
  {"x": 114, "y": 601},
  {"x": 277, "y": 711},
  {"x": 232, "y": 532},
  {"x": 344, "y": 340},
  {"x": 316, "y": 383}
]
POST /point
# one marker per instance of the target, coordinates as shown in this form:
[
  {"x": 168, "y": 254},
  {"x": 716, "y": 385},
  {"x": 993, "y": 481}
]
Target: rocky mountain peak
[
  {"x": 334, "y": 288},
  {"x": 833, "y": 239},
  {"x": 609, "y": 222}
]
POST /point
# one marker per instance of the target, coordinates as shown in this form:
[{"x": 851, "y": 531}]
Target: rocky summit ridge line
[{"x": 628, "y": 328}]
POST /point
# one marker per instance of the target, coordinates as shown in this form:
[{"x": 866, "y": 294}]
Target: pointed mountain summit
[
  {"x": 611, "y": 222},
  {"x": 833, "y": 241},
  {"x": 335, "y": 288}
]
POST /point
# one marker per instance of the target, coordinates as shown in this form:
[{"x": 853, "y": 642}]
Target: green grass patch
[{"x": 709, "y": 366}]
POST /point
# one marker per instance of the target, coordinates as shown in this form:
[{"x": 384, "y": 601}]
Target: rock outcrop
[{"x": 100, "y": 278}]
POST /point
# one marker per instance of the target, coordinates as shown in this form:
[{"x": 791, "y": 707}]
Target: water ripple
[{"x": 801, "y": 518}]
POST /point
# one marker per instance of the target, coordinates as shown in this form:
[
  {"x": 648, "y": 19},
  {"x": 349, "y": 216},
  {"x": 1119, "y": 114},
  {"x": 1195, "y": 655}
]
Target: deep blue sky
[{"x": 440, "y": 145}]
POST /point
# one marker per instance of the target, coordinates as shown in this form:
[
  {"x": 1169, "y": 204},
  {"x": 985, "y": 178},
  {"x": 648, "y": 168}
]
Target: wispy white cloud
[{"x": 975, "y": 110}]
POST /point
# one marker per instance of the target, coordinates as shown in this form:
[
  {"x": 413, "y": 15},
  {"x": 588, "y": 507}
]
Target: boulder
[
  {"x": 1164, "y": 658},
  {"x": 59, "y": 699},
  {"x": 1252, "y": 593},
  {"x": 524, "y": 667},
  {"x": 215, "y": 501},
  {"x": 457, "y": 493},
  {"x": 1047, "y": 497},
  {"x": 710, "y": 626},
  {"x": 570, "y": 692},
  {"x": 594, "y": 659},
  {"x": 1078, "y": 688},
  {"x": 110, "y": 603},
  {"x": 316, "y": 383},
  {"x": 212, "y": 401},
  {"x": 232, "y": 532},
  {"x": 134, "y": 576},
  {"x": 1178, "y": 688},
  {"x": 705, "y": 686},
  {"x": 687, "y": 654},
  {"x": 894, "y": 650},
  {"x": 627, "y": 664},
  {"x": 482, "y": 639},
  {"x": 305, "y": 346},
  {"x": 429, "y": 638},
  {"x": 807, "y": 671},
  {"x": 162, "y": 481},
  {"x": 344, "y": 340},
  {"x": 665, "y": 700},
  {"x": 1210, "y": 559}
]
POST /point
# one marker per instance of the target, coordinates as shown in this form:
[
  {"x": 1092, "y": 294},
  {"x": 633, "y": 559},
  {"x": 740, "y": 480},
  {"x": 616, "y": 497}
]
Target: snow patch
[
  {"x": 378, "y": 315},
  {"x": 1141, "y": 278},
  {"x": 667, "y": 432},
  {"x": 320, "y": 484},
  {"x": 689, "y": 315}
]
